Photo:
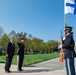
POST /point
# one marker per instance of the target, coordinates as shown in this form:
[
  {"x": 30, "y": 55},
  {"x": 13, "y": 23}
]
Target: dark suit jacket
[
  {"x": 21, "y": 49},
  {"x": 68, "y": 46},
  {"x": 10, "y": 50}
]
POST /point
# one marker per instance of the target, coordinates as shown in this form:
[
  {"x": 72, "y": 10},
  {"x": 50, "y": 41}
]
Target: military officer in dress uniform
[
  {"x": 9, "y": 54},
  {"x": 21, "y": 54},
  {"x": 69, "y": 52}
]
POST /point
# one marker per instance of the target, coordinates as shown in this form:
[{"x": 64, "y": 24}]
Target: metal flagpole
[
  {"x": 64, "y": 21},
  {"x": 64, "y": 17}
]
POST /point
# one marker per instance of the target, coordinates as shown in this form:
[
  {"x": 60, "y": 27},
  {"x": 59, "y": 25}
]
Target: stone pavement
[
  {"x": 53, "y": 64},
  {"x": 50, "y": 67},
  {"x": 31, "y": 71}
]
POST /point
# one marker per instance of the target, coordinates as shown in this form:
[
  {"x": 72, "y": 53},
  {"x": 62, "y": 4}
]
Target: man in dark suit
[
  {"x": 9, "y": 54},
  {"x": 21, "y": 54},
  {"x": 69, "y": 52}
]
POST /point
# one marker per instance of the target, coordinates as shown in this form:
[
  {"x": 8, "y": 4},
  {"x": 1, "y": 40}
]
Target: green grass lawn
[{"x": 34, "y": 58}]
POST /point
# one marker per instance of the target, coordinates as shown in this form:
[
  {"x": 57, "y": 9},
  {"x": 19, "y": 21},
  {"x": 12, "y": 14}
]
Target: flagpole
[
  {"x": 64, "y": 18},
  {"x": 64, "y": 22}
]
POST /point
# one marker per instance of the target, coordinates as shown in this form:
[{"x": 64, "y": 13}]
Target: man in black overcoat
[
  {"x": 10, "y": 50},
  {"x": 21, "y": 46}
]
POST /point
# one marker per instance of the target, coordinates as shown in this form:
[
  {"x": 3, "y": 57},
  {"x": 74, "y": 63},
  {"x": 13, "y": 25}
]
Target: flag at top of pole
[{"x": 70, "y": 6}]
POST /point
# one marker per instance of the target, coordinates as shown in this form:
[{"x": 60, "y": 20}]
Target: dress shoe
[
  {"x": 20, "y": 69},
  {"x": 7, "y": 71}
]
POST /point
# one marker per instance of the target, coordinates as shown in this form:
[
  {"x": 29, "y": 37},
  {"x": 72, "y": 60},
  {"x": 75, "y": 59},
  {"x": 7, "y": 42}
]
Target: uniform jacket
[
  {"x": 68, "y": 46},
  {"x": 10, "y": 50},
  {"x": 21, "y": 48}
]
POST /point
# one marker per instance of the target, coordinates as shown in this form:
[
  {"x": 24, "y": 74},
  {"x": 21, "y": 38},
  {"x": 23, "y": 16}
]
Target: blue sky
[{"x": 41, "y": 18}]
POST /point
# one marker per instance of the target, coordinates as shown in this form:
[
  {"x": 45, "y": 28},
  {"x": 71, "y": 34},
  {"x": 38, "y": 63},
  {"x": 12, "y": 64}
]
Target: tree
[
  {"x": 37, "y": 45},
  {"x": 53, "y": 45},
  {"x": 32, "y": 44},
  {"x": 30, "y": 37},
  {"x": 4, "y": 40},
  {"x": 13, "y": 34},
  {"x": 22, "y": 34},
  {"x": 1, "y": 31}
]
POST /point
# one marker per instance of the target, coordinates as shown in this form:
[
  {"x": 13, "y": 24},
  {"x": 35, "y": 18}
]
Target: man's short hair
[{"x": 22, "y": 38}]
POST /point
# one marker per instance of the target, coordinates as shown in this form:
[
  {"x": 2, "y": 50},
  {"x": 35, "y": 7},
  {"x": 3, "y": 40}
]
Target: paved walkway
[
  {"x": 53, "y": 64},
  {"x": 50, "y": 67}
]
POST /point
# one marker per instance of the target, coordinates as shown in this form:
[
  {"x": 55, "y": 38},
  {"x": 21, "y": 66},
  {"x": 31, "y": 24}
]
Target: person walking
[
  {"x": 21, "y": 54},
  {"x": 10, "y": 50},
  {"x": 69, "y": 52}
]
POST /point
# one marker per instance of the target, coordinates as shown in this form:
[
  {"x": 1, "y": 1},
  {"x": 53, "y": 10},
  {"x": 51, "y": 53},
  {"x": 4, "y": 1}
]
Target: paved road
[
  {"x": 53, "y": 64},
  {"x": 50, "y": 67}
]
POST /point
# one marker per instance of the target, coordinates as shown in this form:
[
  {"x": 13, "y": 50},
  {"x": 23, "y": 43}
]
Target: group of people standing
[
  {"x": 68, "y": 46},
  {"x": 10, "y": 50}
]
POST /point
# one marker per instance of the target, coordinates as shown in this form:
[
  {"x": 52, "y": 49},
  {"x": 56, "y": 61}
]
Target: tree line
[{"x": 33, "y": 45}]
